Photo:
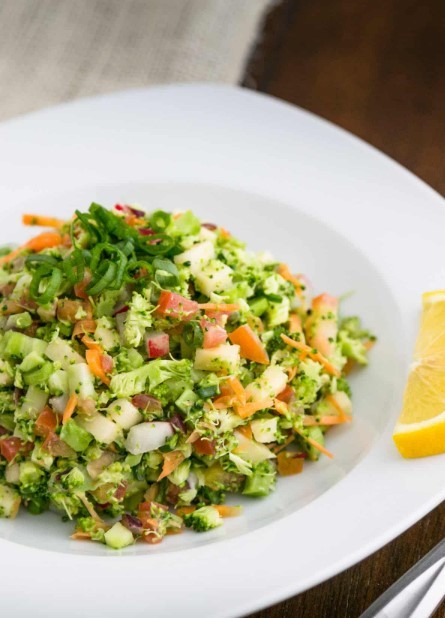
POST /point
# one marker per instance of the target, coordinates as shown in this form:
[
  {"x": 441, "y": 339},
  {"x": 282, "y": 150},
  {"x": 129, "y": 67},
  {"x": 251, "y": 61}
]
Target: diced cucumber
[
  {"x": 61, "y": 351},
  {"x": 124, "y": 413},
  {"x": 186, "y": 400},
  {"x": 264, "y": 429},
  {"x": 224, "y": 357},
  {"x": 259, "y": 305},
  {"x": 18, "y": 345},
  {"x": 31, "y": 361},
  {"x": 197, "y": 256},
  {"x": 118, "y": 536},
  {"x": 34, "y": 402},
  {"x": 316, "y": 434},
  {"x": 81, "y": 381},
  {"x": 19, "y": 320},
  {"x": 58, "y": 382},
  {"x": 216, "y": 277},
  {"x": 251, "y": 450},
  {"x": 75, "y": 436},
  {"x": 9, "y": 501},
  {"x": 40, "y": 375},
  {"x": 268, "y": 385},
  {"x": 100, "y": 427}
]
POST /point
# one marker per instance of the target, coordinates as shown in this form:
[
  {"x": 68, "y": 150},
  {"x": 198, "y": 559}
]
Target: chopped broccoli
[
  {"x": 203, "y": 519},
  {"x": 139, "y": 318},
  {"x": 262, "y": 480}
]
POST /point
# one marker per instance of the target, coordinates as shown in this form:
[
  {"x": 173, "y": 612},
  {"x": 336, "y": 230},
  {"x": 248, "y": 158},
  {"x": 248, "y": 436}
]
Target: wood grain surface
[{"x": 376, "y": 68}]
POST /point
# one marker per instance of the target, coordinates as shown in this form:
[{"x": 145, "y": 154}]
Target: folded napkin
[{"x": 56, "y": 50}]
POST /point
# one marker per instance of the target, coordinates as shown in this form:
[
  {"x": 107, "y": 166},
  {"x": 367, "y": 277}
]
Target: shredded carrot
[
  {"x": 219, "y": 307},
  {"x": 289, "y": 463},
  {"x": 315, "y": 356},
  {"x": 70, "y": 407},
  {"x": 250, "y": 408},
  {"x": 238, "y": 389},
  {"x": 93, "y": 358},
  {"x": 329, "y": 419},
  {"x": 315, "y": 444},
  {"x": 280, "y": 447},
  {"x": 225, "y": 510},
  {"x": 172, "y": 460},
  {"x": 291, "y": 372},
  {"x": 91, "y": 344},
  {"x": 295, "y": 324},
  {"x": 226, "y": 401},
  {"x": 224, "y": 233},
  {"x": 11, "y": 255},
  {"x": 283, "y": 270},
  {"x": 45, "y": 240},
  {"x": 84, "y": 326},
  {"x": 341, "y": 413},
  {"x": 42, "y": 221},
  {"x": 369, "y": 344},
  {"x": 281, "y": 407},
  {"x": 246, "y": 431},
  {"x": 185, "y": 510}
]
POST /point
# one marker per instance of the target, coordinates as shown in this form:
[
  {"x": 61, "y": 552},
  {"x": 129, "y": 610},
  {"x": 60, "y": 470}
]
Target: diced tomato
[
  {"x": 287, "y": 394},
  {"x": 79, "y": 288},
  {"x": 176, "y": 306},
  {"x": 251, "y": 346},
  {"x": 46, "y": 422},
  {"x": 214, "y": 335},
  {"x": 120, "y": 492},
  {"x": 57, "y": 447},
  {"x": 158, "y": 344},
  {"x": 9, "y": 447},
  {"x": 107, "y": 363},
  {"x": 204, "y": 447}
]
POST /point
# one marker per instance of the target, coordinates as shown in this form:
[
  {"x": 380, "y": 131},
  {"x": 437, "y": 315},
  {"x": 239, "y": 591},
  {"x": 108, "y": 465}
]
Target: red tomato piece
[
  {"x": 46, "y": 422},
  {"x": 158, "y": 344},
  {"x": 9, "y": 447},
  {"x": 214, "y": 335},
  {"x": 204, "y": 447},
  {"x": 176, "y": 306}
]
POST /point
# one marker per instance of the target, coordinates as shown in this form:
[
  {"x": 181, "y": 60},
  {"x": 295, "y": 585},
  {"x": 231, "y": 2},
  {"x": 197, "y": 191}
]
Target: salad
[{"x": 150, "y": 366}]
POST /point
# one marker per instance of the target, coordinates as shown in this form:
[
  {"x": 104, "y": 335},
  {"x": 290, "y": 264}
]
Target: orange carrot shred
[
  {"x": 219, "y": 307},
  {"x": 42, "y": 221},
  {"x": 172, "y": 460},
  {"x": 250, "y": 408},
  {"x": 70, "y": 407},
  {"x": 315, "y": 356},
  {"x": 238, "y": 389},
  {"x": 91, "y": 344},
  {"x": 93, "y": 358}
]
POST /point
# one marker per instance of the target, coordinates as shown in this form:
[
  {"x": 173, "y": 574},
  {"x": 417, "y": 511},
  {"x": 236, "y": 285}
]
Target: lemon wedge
[{"x": 420, "y": 429}]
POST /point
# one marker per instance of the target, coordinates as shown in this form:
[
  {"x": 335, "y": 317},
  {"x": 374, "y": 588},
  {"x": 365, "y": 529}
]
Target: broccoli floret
[
  {"x": 88, "y": 524},
  {"x": 139, "y": 318},
  {"x": 262, "y": 480},
  {"x": 106, "y": 303},
  {"x": 206, "y": 495},
  {"x": 203, "y": 519},
  {"x": 342, "y": 385}
]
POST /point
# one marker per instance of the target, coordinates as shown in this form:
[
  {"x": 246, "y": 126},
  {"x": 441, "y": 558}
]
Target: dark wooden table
[{"x": 376, "y": 68}]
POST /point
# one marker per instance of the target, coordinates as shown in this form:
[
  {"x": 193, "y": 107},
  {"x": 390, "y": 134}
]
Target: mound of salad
[{"x": 150, "y": 366}]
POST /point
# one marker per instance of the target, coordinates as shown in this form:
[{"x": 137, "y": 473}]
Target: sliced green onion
[
  {"x": 50, "y": 279},
  {"x": 148, "y": 245},
  {"x": 105, "y": 276},
  {"x": 193, "y": 334},
  {"x": 160, "y": 220},
  {"x": 74, "y": 266},
  {"x": 39, "y": 258}
]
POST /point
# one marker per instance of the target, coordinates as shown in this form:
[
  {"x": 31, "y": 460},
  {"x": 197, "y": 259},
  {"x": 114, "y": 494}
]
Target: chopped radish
[
  {"x": 158, "y": 344},
  {"x": 214, "y": 334},
  {"x": 176, "y": 306}
]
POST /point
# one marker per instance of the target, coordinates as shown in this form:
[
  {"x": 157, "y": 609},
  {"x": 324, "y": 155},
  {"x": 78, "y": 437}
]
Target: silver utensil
[{"x": 417, "y": 593}]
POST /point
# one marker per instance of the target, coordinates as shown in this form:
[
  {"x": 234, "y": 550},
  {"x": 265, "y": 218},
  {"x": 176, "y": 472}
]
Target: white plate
[{"x": 329, "y": 205}]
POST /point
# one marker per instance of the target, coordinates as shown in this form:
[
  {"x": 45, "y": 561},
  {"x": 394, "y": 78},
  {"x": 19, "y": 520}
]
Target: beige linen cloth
[{"x": 56, "y": 50}]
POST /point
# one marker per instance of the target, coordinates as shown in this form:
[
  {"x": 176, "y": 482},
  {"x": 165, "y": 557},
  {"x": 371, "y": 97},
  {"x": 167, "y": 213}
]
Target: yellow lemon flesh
[{"x": 420, "y": 429}]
